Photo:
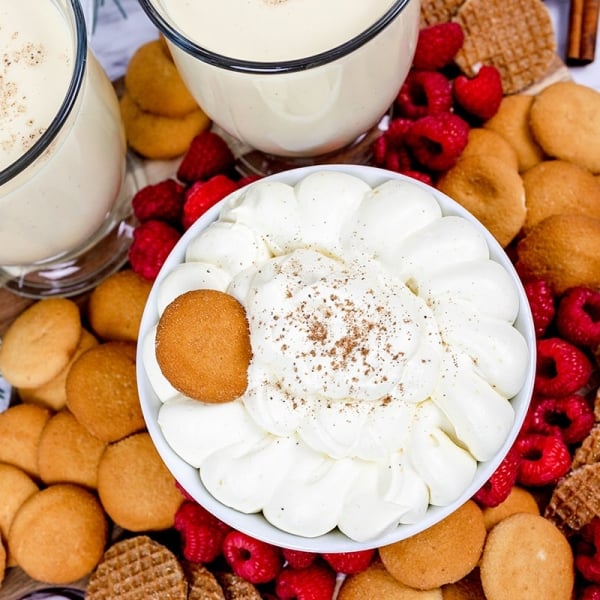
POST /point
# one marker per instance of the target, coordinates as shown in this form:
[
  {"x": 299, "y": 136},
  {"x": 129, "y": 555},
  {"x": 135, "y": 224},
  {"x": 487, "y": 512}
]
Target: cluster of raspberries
[
  {"x": 561, "y": 412},
  {"x": 289, "y": 574},
  {"x": 165, "y": 210},
  {"x": 436, "y": 107}
]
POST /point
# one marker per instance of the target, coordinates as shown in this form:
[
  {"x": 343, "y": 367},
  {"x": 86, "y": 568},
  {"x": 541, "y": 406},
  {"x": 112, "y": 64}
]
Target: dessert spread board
[{"x": 16, "y": 584}]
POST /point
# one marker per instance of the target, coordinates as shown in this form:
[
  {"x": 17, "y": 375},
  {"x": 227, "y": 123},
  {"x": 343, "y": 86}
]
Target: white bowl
[{"x": 335, "y": 541}]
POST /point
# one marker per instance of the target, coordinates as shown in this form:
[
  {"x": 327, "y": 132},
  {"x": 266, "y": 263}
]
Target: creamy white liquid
[
  {"x": 306, "y": 112},
  {"x": 62, "y": 200},
  {"x": 273, "y": 30},
  {"x": 36, "y": 67}
]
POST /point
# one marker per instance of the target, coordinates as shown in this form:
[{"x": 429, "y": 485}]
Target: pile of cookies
[
  {"x": 546, "y": 206},
  {"x": 159, "y": 114},
  {"x": 75, "y": 458}
]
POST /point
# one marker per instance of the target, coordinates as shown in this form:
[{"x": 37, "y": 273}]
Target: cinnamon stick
[{"x": 583, "y": 28}]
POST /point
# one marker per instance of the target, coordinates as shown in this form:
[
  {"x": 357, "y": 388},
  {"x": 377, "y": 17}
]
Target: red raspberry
[
  {"x": 207, "y": 155},
  {"x": 436, "y": 141},
  {"x": 590, "y": 592},
  {"x": 202, "y": 533},
  {"x": 578, "y": 316},
  {"x": 162, "y": 201},
  {"x": 200, "y": 196},
  {"x": 389, "y": 150},
  {"x": 479, "y": 96},
  {"x": 316, "y": 582},
  {"x": 424, "y": 93},
  {"x": 542, "y": 303},
  {"x": 544, "y": 459},
  {"x": 570, "y": 417},
  {"x": 418, "y": 175},
  {"x": 437, "y": 45},
  {"x": 252, "y": 559},
  {"x": 561, "y": 367},
  {"x": 587, "y": 551},
  {"x": 500, "y": 484},
  {"x": 349, "y": 562},
  {"x": 152, "y": 242},
  {"x": 297, "y": 559}
]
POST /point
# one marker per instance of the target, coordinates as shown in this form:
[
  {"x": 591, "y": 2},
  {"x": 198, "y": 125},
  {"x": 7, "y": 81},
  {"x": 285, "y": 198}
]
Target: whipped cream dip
[{"x": 385, "y": 355}]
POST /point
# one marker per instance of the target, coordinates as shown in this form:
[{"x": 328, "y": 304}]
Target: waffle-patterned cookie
[
  {"x": 138, "y": 568},
  {"x": 438, "y": 11},
  {"x": 516, "y": 36},
  {"x": 589, "y": 451},
  {"x": 575, "y": 500},
  {"x": 203, "y": 585},
  {"x": 237, "y": 588}
]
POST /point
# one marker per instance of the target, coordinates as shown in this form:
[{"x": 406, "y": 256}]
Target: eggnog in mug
[
  {"x": 291, "y": 77},
  {"x": 62, "y": 145}
]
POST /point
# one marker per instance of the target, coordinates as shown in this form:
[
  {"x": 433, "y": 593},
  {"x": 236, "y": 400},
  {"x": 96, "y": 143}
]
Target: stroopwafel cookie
[
  {"x": 138, "y": 568},
  {"x": 575, "y": 500},
  {"x": 237, "y": 588},
  {"x": 515, "y": 36},
  {"x": 203, "y": 585},
  {"x": 589, "y": 451},
  {"x": 438, "y": 11}
]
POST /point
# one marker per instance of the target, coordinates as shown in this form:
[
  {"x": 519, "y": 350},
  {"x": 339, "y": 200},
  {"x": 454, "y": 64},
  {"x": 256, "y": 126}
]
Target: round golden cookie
[
  {"x": 443, "y": 553},
  {"x": 512, "y": 123},
  {"x": 491, "y": 190},
  {"x": 3, "y": 561},
  {"x": 565, "y": 121},
  {"x": 53, "y": 394},
  {"x": 527, "y": 557},
  {"x": 15, "y": 487},
  {"x": 68, "y": 452},
  {"x": 203, "y": 345},
  {"x": 489, "y": 143},
  {"x": 515, "y": 36},
  {"x": 376, "y": 582},
  {"x": 21, "y": 427},
  {"x": 467, "y": 588},
  {"x": 136, "y": 489},
  {"x": 519, "y": 500},
  {"x": 154, "y": 83},
  {"x": 116, "y": 305},
  {"x": 557, "y": 186},
  {"x": 564, "y": 250},
  {"x": 156, "y": 137},
  {"x": 102, "y": 392},
  {"x": 59, "y": 534},
  {"x": 40, "y": 342}
]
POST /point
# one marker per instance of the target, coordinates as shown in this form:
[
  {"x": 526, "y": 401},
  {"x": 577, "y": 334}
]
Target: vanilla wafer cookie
[
  {"x": 438, "y": 11},
  {"x": 237, "y": 588},
  {"x": 589, "y": 450},
  {"x": 138, "y": 568},
  {"x": 203, "y": 585},
  {"x": 575, "y": 500},
  {"x": 515, "y": 36},
  {"x": 597, "y": 407}
]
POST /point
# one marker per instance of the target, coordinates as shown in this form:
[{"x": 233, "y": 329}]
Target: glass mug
[
  {"x": 64, "y": 201},
  {"x": 291, "y": 78}
]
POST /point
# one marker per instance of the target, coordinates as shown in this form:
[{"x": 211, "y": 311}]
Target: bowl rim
[{"x": 256, "y": 524}]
